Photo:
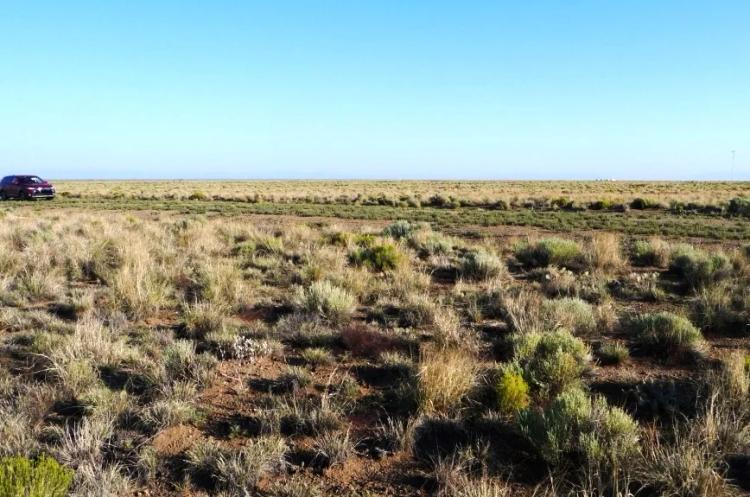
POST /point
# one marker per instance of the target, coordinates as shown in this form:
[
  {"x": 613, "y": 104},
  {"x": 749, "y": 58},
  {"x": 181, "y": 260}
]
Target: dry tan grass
[
  {"x": 329, "y": 191},
  {"x": 138, "y": 314},
  {"x": 604, "y": 252},
  {"x": 445, "y": 379}
]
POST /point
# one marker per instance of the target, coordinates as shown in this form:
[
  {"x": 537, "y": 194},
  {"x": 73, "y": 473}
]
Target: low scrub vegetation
[
  {"x": 551, "y": 252},
  {"x": 666, "y": 334},
  {"x": 22, "y": 477},
  {"x": 193, "y": 353}
]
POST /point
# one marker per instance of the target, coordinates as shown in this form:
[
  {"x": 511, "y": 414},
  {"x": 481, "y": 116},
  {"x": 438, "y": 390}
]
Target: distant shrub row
[{"x": 738, "y": 206}]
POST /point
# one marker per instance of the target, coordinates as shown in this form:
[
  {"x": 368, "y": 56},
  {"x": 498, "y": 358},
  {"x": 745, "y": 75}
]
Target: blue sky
[{"x": 375, "y": 89}]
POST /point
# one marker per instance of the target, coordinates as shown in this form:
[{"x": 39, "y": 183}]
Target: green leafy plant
[
  {"x": 512, "y": 390},
  {"x": 697, "y": 268},
  {"x": 551, "y": 361},
  {"x": 43, "y": 477},
  {"x": 574, "y": 424},
  {"x": 384, "y": 257}
]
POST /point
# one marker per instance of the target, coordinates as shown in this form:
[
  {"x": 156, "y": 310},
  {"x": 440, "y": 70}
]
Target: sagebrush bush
[
  {"x": 326, "y": 301},
  {"x": 575, "y": 424},
  {"x": 569, "y": 313},
  {"x": 401, "y": 229},
  {"x": 551, "y": 361},
  {"x": 551, "y": 251},
  {"x": 512, "y": 390},
  {"x": 43, "y": 477},
  {"x": 480, "y": 265},
  {"x": 428, "y": 243},
  {"x": 697, "y": 268},
  {"x": 382, "y": 257},
  {"x": 666, "y": 333}
]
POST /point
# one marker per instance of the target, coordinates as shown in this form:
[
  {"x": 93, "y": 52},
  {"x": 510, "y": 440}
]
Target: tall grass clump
[
  {"x": 697, "y": 268},
  {"x": 327, "y": 301},
  {"x": 653, "y": 252},
  {"x": 723, "y": 308},
  {"x": 665, "y": 333},
  {"x": 445, "y": 379},
  {"x": 550, "y": 251},
  {"x": 139, "y": 288},
  {"x": 604, "y": 252},
  {"x": 238, "y": 471},
  {"x": 202, "y": 318}
]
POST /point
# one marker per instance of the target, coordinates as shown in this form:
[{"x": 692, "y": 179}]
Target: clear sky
[{"x": 375, "y": 89}]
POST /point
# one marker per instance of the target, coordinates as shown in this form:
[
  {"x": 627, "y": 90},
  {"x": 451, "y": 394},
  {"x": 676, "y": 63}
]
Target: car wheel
[{"x": 3, "y": 195}]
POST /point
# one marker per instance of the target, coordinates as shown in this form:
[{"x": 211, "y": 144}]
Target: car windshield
[{"x": 32, "y": 180}]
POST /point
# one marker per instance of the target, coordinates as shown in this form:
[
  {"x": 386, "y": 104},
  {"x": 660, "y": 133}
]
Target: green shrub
[
  {"x": 198, "y": 195},
  {"x": 512, "y": 390},
  {"x": 570, "y": 313},
  {"x": 644, "y": 204},
  {"x": 666, "y": 333},
  {"x": 365, "y": 240},
  {"x": 23, "y": 477},
  {"x": 480, "y": 265},
  {"x": 383, "y": 257},
  {"x": 340, "y": 238},
  {"x": 551, "y": 361},
  {"x": 739, "y": 206},
  {"x": 550, "y": 251},
  {"x": 327, "y": 301},
  {"x": 574, "y": 424},
  {"x": 697, "y": 268},
  {"x": 401, "y": 229},
  {"x": 427, "y": 243}
]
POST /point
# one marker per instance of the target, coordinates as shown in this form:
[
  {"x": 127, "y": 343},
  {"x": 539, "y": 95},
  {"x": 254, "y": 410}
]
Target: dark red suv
[{"x": 25, "y": 186}]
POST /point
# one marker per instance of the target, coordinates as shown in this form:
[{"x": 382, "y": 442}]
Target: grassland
[
  {"x": 394, "y": 192},
  {"x": 225, "y": 347}
]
